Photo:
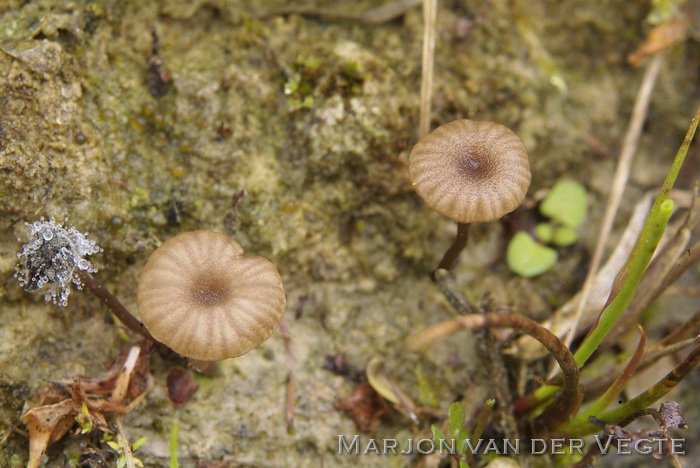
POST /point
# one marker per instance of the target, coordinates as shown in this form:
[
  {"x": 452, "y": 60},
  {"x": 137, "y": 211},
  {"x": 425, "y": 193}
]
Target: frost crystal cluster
[{"x": 50, "y": 258}]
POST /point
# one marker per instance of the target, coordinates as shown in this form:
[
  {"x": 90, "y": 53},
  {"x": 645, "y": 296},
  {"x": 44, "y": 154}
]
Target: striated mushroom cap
[
  {"x": 470, "y": 171},
  {"x": 198, "y": 295}
]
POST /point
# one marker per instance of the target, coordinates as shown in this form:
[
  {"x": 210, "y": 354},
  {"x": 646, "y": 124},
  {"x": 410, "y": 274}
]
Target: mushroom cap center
[
  {"x": 209, "y": 290},
  {"x": 473, "y": 166},
  {"x": 470, "y": 171},
  {"x": 201, "y": 297}
]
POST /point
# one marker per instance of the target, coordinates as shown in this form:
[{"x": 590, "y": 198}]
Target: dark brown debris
[
  {"x": 365, "y": 406},
  {"x": 181, "y": 385}
]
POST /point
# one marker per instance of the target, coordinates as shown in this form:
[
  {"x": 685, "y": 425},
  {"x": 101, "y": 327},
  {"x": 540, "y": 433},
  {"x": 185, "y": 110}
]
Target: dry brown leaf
[
  {"x": 62, "y": 401},
  {"x": 659, "y": 38},
  {"x": 365, "y": 406},
  {"x": 46, "y": 425}
]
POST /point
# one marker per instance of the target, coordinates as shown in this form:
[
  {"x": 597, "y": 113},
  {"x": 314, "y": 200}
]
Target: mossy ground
[{"x": 291, "y": 133}]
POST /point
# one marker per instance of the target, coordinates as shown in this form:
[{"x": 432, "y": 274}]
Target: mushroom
[
  {"x": 470, "y": 172},
  {"x": 198, "y": 295}
]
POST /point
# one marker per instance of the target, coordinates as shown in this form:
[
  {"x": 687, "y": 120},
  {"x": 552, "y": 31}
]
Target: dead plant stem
[
  {"x": 622, "y": 172},
  {"x": 426, "y": 89}
]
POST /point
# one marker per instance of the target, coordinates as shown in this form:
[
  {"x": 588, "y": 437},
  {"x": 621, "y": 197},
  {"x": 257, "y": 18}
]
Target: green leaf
[
  {"x": 627, "y": 281},
  {"x": 461, "y": 440},
  {"x": 438, "y": 435},
  {"x": 564, "y": 236},
  {"x": 527, "y": 258},
  {"x": 139, "y": 442},
  {"x": 173, "y": 446},
  {"x": 566, "y": 203},
  {"x": 456, "y": 417},
  {"x": 425, "y": 392},
  {"x": 115, "y": 446},
  {"x": 580, "y": 422},
  {"x": 628, "y": 278},
  {"x": 543, "y": 232}
]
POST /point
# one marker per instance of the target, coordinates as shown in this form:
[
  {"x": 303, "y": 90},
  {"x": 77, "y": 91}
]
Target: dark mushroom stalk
[
  {"x": 470, "y": 172},
  {"x": 115, "y": 306},
  {"x": 450, "y": 258}
]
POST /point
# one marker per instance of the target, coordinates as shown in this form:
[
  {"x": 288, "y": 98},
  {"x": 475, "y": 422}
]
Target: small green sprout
[
  {"x": 566, "y": 207},
  {"x": 126, "y": 459},
  {"x": 458, "y": 434},
  {"x": 564, "y": 236},
  {"x": 426, "y": 395},
  {"x": 544, "y": 232},
  {"x": 663, "y": 10},
  {"x": 299, "y": 93},
  {"x": 527, "y": 258},
  {"x": 84, "y": 420},
  {"x": 566, "y": 204}
]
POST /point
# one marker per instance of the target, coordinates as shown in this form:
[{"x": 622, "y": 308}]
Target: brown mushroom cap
[
  {"x": 200, "y": 296},
  {"x": 470, "y": 171}
]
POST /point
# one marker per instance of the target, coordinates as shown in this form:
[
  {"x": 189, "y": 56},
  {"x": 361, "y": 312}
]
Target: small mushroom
[
  {"x": 200, "y": 296},
  {"x": 470, "y": 172}
]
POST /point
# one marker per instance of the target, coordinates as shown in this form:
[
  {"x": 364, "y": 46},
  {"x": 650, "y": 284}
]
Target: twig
[
  {"x": 124, "y": 444},
  {"x": 426, "y": 87},
  {"x": 290, "y": 404},
  {"x": 568, "y": 400},
  {"x": 121, "y": 385},
  {"x": 489, "y": 351},
  {"x": 656, "y": 354},
  {"x": 454, "y": 296},
  {"x": 690, "y": 327},
  {"x": 684, "y": 262},
  {"x": 373, "y": 16}
]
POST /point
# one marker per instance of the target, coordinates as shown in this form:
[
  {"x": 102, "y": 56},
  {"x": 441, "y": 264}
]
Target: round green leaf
[
  {"x": 564, "y": 236},
  {"x": 543, "y": 232},
  {"x": 566, "y": 203},
  {"x": 527, "y": 258}
]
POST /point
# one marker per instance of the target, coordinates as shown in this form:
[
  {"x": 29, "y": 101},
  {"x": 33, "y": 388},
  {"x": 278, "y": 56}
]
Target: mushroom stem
[
  {"x": 460, "y": 242},
  {"x": 116, "y": 307}
]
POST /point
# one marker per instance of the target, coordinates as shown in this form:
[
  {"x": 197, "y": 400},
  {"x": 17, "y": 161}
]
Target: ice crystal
[{"x": 50, "y": 258}]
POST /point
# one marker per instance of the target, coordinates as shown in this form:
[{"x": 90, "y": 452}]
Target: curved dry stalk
[
  {"x": 489, "y": 352},
  {"x": 567, "y": 403}
]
